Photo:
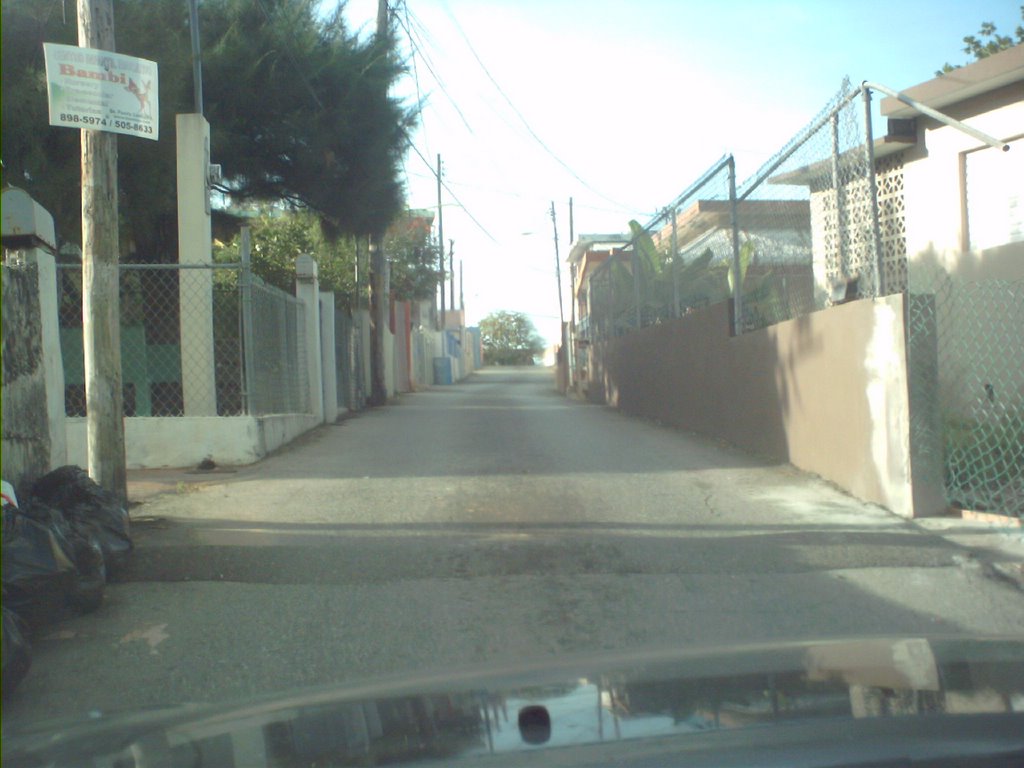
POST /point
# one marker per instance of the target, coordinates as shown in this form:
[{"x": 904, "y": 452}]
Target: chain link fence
[
  {"x": 811, "y": 228},
  {"x": 967, "y": 368},
  {"x": 821, "y": 223},
  {"x": 810, "y": 231},
  {"x": 185, "y": 350},
  {"x": 279, "y": 371},
  {"x": 680, "y": 261},
  {"x": 774, "y": 215},
  {"x": 348, "y": 357}
]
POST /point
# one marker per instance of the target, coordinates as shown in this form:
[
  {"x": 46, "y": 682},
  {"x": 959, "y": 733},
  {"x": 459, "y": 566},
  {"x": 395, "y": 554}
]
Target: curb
[{"x": 1011, "y": 573}]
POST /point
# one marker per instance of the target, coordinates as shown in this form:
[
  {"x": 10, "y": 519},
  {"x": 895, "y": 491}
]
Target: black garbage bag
[
  {"x": 17, "y": 654},
  {"x": 37, "y": 571},
  {"x": 92, "y": 574},
  {"x": 89, "y": 508},
  {"x": 82, "y": 548}
]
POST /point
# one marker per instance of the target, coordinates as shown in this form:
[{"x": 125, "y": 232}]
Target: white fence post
[
  {"x": 307, "y": 290},
  {"x": 328, "y": 351},
  {"x": 195, "y": 286}
]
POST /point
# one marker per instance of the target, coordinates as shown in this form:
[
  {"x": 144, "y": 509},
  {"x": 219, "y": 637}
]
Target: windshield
[{"x": 416, "y": 337}]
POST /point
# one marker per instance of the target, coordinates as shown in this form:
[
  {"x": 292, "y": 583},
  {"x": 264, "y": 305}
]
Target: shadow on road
[{"x": 290, "y": 553}]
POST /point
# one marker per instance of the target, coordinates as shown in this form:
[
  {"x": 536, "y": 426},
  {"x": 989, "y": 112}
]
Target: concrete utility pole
[
  {"x": 100, "y": 274},
  {"x": 378, "y": 280},
  {"x": 440, "y": 240}
]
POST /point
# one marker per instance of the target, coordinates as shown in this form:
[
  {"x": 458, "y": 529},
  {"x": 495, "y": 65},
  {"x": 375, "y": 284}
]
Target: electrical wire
[
  {"x": 415, "y": 71},
  {"x": 413, "y": 26},
  {"x": 519, "y": 114},
  {"x": 426, "y": 41},
  {"x": 454, "y": 196},
  {"x": 417, "y": 51},
  {"x": 540, "y": 198}
]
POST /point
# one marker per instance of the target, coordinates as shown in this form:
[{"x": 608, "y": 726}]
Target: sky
[{"x": 622, "y": 105}]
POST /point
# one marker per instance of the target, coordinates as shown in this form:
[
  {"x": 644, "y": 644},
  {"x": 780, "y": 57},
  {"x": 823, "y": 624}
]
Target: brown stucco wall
[{"x": 826, "y": 392}]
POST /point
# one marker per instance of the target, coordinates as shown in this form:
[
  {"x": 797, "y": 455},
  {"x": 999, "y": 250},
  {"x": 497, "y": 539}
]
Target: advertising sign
[{"x": 102, "y": 91}]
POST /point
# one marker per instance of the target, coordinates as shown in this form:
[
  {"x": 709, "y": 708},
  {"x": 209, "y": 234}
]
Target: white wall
[
  {"x": 975, "y": 314},
  {"x": 307, "y": 290},
  {"x": 328, "y": 351},
  {"x": 198, "y": 381},
  {"x": 184, "y": 441},
  {"x": 933, "y": 199}
]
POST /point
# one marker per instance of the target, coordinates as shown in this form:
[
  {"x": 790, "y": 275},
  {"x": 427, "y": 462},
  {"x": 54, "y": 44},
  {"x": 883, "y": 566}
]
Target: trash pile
[{"x": 60, "y": 545}]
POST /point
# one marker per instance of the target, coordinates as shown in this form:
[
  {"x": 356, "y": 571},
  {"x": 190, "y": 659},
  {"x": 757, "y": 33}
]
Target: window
[{"x": 993, "y": 196}]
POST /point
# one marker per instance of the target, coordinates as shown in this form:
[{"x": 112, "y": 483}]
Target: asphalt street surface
[{"x": 489, "y": 522}]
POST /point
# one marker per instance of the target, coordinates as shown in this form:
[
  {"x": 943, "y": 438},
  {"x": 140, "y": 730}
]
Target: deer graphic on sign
[{"x": 142, "y": 94}]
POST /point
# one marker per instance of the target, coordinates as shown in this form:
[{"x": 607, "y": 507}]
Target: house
[
  {"x": 963, "y": 228},
  {"x": 963, "y": 202},
  {"x": 587, "y": 255},
  {"x": 777, "y": 233}
]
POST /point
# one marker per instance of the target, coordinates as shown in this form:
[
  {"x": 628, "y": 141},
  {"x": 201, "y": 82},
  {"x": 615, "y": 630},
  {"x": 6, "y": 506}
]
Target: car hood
[{"x": 817, "y": 703}]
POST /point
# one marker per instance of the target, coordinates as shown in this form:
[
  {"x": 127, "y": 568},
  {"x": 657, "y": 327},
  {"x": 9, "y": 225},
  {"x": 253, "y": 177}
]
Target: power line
[
  {"x": 519, "y": 114},
  {"x": 536, "y": 197},
  {"x": 417, "y": 51},
  {"x": 415, "y": 28},
  {"x": 415, "y": 70},
  {"x": 454, "y": 196}
]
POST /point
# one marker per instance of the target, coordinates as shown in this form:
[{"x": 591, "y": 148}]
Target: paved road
[{"x": 490, "y": 521}]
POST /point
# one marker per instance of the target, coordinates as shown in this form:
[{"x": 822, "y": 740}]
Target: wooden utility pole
[
  {"x": 451, "y": 271},
  {"x": 558, "y": 271},
  {"x": 378, "y": 322},
  {"x": 572, "y": 234},
  {"x": 440, "y": 240},
  {"x": 378, "y": 280},
  {"x": 101, "y": 330}
]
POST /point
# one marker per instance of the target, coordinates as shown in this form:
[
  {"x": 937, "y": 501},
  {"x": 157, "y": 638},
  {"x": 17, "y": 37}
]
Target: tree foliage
[
  {"x": 279, "y": 237},
  {"x": 298, "y": 107},
  {"x": 413, "y": 256},
  {"x": 986, "y": 42},
  {"x": 509, "y": 338},
  {"x": 661, "y": 279}
]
